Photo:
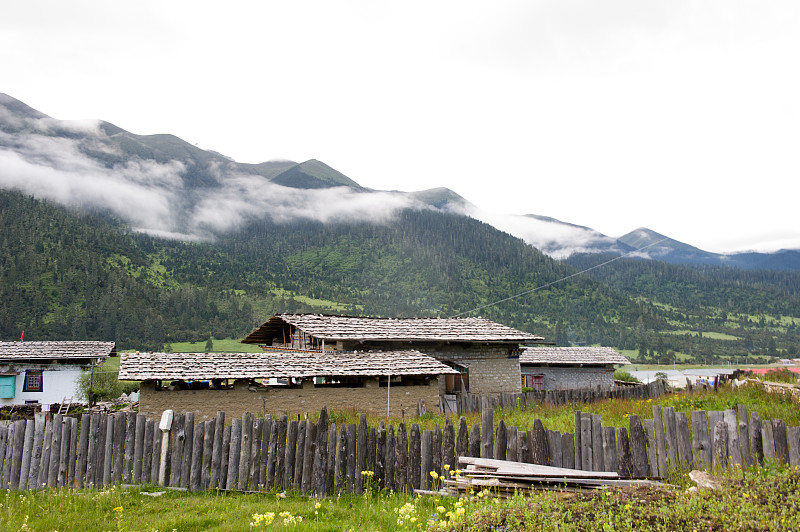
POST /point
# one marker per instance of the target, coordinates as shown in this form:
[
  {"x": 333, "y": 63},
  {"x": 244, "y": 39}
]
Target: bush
[
  {"x": 105, "y": 385},
  {"x": 622, "y": 375},
  {"x": 780, "y": 375}
]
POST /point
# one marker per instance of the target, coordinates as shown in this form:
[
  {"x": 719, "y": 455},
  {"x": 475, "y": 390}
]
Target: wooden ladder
[{"x": 63, "y": 408}]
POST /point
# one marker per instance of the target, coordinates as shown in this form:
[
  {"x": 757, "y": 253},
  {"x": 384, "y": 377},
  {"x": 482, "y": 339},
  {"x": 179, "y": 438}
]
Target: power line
[{"x": 559, "y": 280}]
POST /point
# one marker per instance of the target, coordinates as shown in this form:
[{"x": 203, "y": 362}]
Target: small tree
[
  {"x": 209, "y": 345},
  {"x": 104, "y": 387}
]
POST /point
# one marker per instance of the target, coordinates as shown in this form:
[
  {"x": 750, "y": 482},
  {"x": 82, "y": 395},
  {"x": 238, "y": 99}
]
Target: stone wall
[
  {"x": 493, "y": 368},
  {"x": 571, "y": 378},
  {"x": 371, "y": 399}
]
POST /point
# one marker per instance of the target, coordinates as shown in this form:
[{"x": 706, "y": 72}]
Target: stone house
[
  {"x": 45, "y": 373},
  {"x": 484, "y": 353},
  {"x": 303, "y": 381},
  {"x": 569, "y": 368}
]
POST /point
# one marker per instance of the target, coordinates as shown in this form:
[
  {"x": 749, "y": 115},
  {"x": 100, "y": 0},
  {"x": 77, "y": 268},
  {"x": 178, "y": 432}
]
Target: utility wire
[{"x": 559, "y": 280}]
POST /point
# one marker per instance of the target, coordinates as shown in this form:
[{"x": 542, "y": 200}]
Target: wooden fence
[
  {"x": 320, "y": 457},
  {"x": 470, "y": 403}
]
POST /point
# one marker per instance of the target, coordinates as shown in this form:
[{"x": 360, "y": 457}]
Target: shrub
[
  {"x": 105, "y": 385},
  {"x": 622, "y": 375}
]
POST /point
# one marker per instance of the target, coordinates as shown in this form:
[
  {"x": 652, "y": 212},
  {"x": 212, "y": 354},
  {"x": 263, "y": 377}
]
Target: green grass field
[{"x": 227, "y": 345}]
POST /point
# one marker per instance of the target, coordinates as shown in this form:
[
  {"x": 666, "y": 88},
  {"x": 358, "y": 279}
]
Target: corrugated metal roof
[
  {"x": 359, "y": 328},
  {"x": 56, "y": 350},
  {"x": 571, "y": 355},
  {"x": 280, "y": 364}
]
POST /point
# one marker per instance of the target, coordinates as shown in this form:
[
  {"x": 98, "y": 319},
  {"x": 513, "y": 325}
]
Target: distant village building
[
  {"x": 204, "y": 383},
  {"x": 484, "y": 353},
  {"x": 44, "y": 373},
  {"x": 568, "y": 368}
]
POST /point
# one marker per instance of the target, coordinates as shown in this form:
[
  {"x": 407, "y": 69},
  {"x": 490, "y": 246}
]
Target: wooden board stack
[{"x": 506, "y": 478}]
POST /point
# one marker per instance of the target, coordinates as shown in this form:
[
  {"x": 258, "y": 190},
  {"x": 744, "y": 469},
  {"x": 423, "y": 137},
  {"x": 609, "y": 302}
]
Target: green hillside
[{"x": 69, "y": 275}]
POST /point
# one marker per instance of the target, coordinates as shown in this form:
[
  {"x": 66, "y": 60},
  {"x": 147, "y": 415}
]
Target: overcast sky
[{"x": 682, "y": 117}]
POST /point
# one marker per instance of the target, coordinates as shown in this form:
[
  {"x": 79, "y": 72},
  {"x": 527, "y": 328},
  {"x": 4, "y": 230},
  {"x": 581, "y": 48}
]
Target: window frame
[{"x": 33, "y": 374}]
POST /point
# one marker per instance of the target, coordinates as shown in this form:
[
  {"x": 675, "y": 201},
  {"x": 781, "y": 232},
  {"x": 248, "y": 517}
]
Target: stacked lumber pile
[{"x": 506, "y": 478}]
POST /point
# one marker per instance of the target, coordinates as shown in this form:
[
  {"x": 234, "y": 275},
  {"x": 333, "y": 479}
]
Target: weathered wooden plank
[
  {"x": 500, "y": 444},
  {"x": 487, "y": 433},
  {"x": 254, "y": 473},
  {"x": 280, "y": 471},
  {"x": 7, "y": 457},
  {"x": 638, "y": 446},
  {"x": 610, "y": 462},
  {"x": 402, "y": 481},
  {"x": 177, "y": 441},
  {"x": 390, "y": 458},
  {"x": 380, "y": 454},
  {"x": 55, "y": 451},
  {"x": 116, "y": 454},
  {"x": 427, "y": 459},
  {"x": 290, "y": 457},
  {"x": 512, "y": 444},
  {"x": 27, "y": 453},
  {"x": 462, "y": 438},
  {"x": 554, "y": 448},
  {"x": 3, "y": 451},
  {"x": 309, "y": 447},
  {"x": 586, "y": 443},
  {"x": 40, "y": 421},
  {"x": 64, "y": 455},
  {"x": 208, "y": 450},
  {"x": 577, "y": 443},
  {"x": 721, "y": 445},
  {"x": 756, "y": 442},
  {"x": 744, "y": 435},
  {"x": 244, "y": 451},
  {"x": 83, "y": 448},
  {"x": 341, "y": 460},
  {"x": 671, "y": 435},
  {"x": 73, "y": 451},
  {"x": 781, "y": 445},
  {"x": 234, "y": 454},
  {"x": 768, "y": 439},
  {"x": 330, "y": 471},
  {"x": 568, "y": 450},
  {"x": 597, "y": 443},
  {"x": 734, "y": 452},
  {"x": 155, "y": 462},
  {"x": 18, "y": 446},
  {"x": 793, "y": 443},
  {"x": 524, "y": 446},
  {"x": 437, "y": 448},
  {"x": 449, "y": 446},
  {"x": 661, "y": 442},
  {"x": 44, "y": 463},
  {"x": 684, "y": 443},
  {"x": 625, "y": 465},
  {"x": 223, "y": 463},
  {"x": 195, "y": 470},
  {"x": 147, "y": 450},
  {"x": 475, "y": 441},
  {"x": 297, "y": 474},
  {"x": 701, "y": 441},
  {"x": 414, "y": 456},
  {"x": 652, "y": 452},
  {"x": 216, "y": 451},
  {"x": 321, "y": 454},
  {"x": 138, "y": 448},
  {"x": 263, "y": 459},
  {"x": 538, "y": 444},
  {"x": 361, "y": 454},
  {"x": 188, "y": 449}
]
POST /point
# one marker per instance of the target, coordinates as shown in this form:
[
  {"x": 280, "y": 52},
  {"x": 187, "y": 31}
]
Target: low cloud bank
[{"x": 153, "y": 197}]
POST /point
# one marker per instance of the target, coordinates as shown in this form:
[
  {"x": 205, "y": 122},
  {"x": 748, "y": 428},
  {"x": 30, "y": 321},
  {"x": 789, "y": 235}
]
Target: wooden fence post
[
  {"x": 195, "y": 475},
  {"x": 187, "y": 453},
  {"x": 500, "y": 441},
  {"x": 291, "y": 453},
  {"x": 684, "y": 445},
  {"x": 721, "y": 444},
  {"x": 744, "y": 435},
  {"x": 625, "y": 459},
  {"x": 487, "y": 432},
  {"x": 554, "y": 448},
  {"x": 638, "y": 445},
  {"x": 781, "y": 444},
  {"x": 27, "y": 452},
  {"x": 138, "y": 448},
  {"x": 234, "y": 454},
  {"x": 701, "y": 442},
  {"x": 610, "y": 461},
  {"x": 361, "y": 453},
  {"x": 321, "y": 454},
  {"x": 538, "y": 444},
  {"x": 734, "y": 452},
  {"x": 208, "y": 453},
  {"x": 427, "y": 459},
  {"x": 661, "y": 442},
  {"x": 415, "y": 458},
  {"x": 216, "y": 453}
]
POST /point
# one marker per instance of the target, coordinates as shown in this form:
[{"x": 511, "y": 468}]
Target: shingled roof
[
  {"x": 360, "y": 328},
  {"x": 277, "y": 364},
  {"x": 68, "y": 350},
  {"x": 571, "y": 355}
]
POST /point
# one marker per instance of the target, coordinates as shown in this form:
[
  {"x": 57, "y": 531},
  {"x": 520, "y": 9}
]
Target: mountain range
[{"x": 166, "y": 187}]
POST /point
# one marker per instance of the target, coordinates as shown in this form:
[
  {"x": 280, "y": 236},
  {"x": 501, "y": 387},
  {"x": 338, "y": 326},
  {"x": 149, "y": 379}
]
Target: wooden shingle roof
[
  {"x": 571, "y": 355},
  {"x": 359, "y": 328},
  {"x": 277, "y": 364},
  {"x": 68, "y": 350}
]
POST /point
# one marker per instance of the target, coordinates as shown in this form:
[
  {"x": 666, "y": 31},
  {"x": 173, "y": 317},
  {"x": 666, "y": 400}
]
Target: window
[
  {"x": 535, "y": 382},
  {"x": 33, "y": 381}
]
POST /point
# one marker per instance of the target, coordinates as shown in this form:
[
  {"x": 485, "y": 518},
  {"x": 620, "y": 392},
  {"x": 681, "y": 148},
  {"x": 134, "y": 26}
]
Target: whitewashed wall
[{"x": 59, "y": 383}]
